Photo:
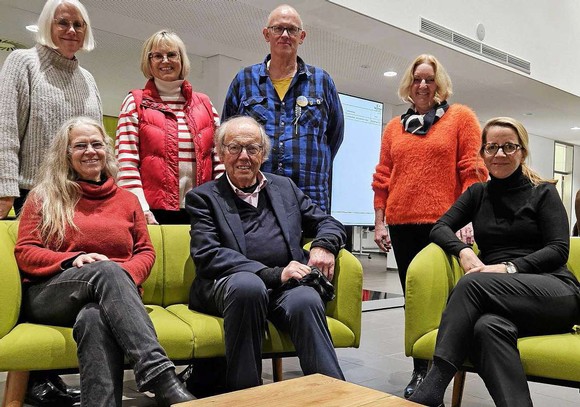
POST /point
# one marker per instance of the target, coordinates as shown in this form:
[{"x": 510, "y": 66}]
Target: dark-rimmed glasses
[
  {"x": 64, "y": 25},
  {"x": 507, "y": 148},
  {"x": 171, "y": 56},
  {"x": 236, "y": 149},
  {"x": 279, "y": 30}
]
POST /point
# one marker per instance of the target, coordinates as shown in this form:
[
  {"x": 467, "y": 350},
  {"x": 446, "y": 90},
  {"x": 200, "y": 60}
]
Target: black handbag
[{"x": 316, "y": 280}]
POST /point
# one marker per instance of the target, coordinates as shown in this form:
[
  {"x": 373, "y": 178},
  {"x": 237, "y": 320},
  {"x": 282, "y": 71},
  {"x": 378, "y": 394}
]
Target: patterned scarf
[{"x": 419, "y": 124}]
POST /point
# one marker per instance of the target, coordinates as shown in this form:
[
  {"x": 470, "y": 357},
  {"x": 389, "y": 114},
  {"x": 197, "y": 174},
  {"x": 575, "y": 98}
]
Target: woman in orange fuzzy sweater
[{"x": 429, "y": 156}]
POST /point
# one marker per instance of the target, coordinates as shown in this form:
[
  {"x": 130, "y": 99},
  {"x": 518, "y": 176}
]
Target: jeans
[{"x": 102, "y": 304}]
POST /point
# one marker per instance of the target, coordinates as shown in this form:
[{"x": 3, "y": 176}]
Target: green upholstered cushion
[
  {"x": 432, "y": 275},
  {"x": 10, "y": 286},
  {"x": 210, "y": 340},
  {"x": 179, "y": 267},
  {"x": 174, "y": 335},
  {"x": 153, "y": 286},
  {"x": 38, "y": 347}
]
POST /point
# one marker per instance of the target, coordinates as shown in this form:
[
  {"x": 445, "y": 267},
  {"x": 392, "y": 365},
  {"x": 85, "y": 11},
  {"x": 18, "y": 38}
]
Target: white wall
[{"x": 541, "y": 32}]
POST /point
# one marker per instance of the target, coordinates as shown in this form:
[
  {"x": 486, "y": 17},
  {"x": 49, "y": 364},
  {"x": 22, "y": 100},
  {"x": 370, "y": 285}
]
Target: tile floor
[{"x": 380, "y": 362}]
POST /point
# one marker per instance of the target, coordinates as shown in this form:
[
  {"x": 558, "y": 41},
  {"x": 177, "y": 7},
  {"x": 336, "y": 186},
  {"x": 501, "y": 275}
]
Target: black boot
[
  {"x": 419, "y": 372},
  {"x": 169, "y": 389},
  {"x": 42, "y": 392},
  {"x": 432, "y": 390},
  {"x": 73, "y": 391}
]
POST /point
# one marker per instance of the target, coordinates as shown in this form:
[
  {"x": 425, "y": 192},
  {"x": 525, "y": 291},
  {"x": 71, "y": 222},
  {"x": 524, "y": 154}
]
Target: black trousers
[
  {"x": 245, "y": 303},
  {"x": 485, "y": 315},
  {"x": 408, "y": 241}
]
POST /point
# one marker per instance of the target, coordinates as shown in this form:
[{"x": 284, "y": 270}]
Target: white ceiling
[{"x": 354, "y": 49}]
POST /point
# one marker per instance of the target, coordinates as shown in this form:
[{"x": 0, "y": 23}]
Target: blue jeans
[{"x": 102, "y": 304}]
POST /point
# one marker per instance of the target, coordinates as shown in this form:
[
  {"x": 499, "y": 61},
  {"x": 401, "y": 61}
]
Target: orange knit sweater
[{"x": 419, "y": 177}]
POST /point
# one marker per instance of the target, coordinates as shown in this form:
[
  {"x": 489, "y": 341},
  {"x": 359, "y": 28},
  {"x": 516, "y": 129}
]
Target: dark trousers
[
  {"x": 244, "y": 302},
  {"x": 485, "y": 315},
  {"x": 407, "y": 242},
  {"x": 102, "y": 304}
]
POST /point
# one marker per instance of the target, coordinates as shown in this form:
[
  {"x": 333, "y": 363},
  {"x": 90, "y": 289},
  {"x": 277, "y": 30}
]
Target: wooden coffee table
[{"x": 314, "y": 390}]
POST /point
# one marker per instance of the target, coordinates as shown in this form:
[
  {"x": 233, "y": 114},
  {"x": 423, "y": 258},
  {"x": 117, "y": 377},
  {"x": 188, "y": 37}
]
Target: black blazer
[{"x": 218, "y": 244}]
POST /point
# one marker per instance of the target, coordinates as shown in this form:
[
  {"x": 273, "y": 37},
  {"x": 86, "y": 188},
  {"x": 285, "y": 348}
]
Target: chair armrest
[
  {"x": 430, "y": 277},
  {"x": 10, "y": 283},
  {"x": 347, "y": 281}
]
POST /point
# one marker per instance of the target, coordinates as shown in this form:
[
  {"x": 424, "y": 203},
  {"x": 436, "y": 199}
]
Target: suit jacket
[{"x": 218, "y": 244}]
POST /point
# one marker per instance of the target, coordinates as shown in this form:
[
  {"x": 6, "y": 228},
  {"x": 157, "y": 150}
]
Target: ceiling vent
[{"x": 451, "y": 37}]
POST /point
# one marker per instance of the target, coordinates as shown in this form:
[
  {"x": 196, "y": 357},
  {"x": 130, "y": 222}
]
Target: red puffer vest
[{"x": 158, "y": 143}]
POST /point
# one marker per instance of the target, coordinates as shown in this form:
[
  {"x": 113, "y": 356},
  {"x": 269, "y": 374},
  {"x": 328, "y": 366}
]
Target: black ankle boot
[
  {"x": 419, "y": 372},
  {"x": 170, "y": 390},
  {"x": 42, "y": 391}
]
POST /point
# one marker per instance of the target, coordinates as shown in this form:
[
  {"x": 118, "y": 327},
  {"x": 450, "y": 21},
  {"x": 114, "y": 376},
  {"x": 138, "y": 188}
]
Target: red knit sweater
[
  {"x": 419, "y": 177},
  {"x": 110, "y": 222}
]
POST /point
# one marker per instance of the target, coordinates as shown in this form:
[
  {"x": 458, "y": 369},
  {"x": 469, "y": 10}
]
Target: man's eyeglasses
[
  {"x": 279, "y": 30},
  {"x": 82, "y": 147},
  {"x": 236, "y": 149},
  {"x": 171, "y": 56},
  {"x": 64, "y": 25},
  {"x": 507, "y": 148},
  {"x": 428, "y": 81}
]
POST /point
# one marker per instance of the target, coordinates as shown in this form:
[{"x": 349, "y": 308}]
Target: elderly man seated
[{"x": 246, "y": 233}]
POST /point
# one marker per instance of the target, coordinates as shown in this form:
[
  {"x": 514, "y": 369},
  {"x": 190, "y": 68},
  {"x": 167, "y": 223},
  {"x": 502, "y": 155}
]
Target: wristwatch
[{"x": 510, "y": 267}]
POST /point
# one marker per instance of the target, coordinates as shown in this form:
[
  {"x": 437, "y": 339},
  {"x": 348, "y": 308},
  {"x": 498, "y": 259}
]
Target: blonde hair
[
  {"x": 170, "y": 40},
  {"x": 57, "y": 190},
  {"x": 46, "y": 18},
  {"x": 442, "y": 80},
  {"x": 524, "y": 141}
]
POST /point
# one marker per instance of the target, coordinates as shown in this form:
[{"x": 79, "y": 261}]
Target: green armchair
[
  {"x": 552, "y": 359},
  {"x": 184, "y": 334}
]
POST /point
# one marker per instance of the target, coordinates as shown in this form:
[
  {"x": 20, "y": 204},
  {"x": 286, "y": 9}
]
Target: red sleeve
[
  {"x": 31, "y": 254},
  {"x": 469, "y": 162},
  {"x": 141, "y": 262},
  {"x": 382, "y": 175}
]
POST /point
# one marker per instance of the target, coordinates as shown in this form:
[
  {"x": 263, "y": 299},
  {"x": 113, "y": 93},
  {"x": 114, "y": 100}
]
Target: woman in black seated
[
  {"x": 518, "y": 286},
  {"x": 84, "y": 250}
]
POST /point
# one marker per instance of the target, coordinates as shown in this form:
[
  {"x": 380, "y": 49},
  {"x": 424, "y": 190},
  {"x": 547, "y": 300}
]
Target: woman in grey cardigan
[{"x": 40, "y": 89}]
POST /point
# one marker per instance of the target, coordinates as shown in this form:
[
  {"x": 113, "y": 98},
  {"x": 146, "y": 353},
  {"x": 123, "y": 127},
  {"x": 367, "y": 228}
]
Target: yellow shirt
[{"x": 281, "y": 86}]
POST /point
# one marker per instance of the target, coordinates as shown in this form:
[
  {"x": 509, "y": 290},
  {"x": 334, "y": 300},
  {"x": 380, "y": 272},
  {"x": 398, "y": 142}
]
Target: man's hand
[
  {"x": 323, "y": 260},
  {"x": 294, "y": 270},
  {"x": 88, "y": 258},
  {"x": 6, "y": 203}
]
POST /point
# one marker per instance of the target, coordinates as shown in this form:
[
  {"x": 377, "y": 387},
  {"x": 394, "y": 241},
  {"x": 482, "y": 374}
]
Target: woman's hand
[
  {"x": 469, "y": 261},
  {"x": 493, "y": 268},
  {"x": 150, "y": 218},
  {"x": 382, "y": 238},
  {"x": 88, "y": 258}
]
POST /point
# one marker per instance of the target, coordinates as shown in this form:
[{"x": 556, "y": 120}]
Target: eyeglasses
[
  {"x": 279, "y": 30},
  {"x": 507, "y": 148},
  {"x": 428, "y": 81},
  {"x": 236, "y": 149},
  {"x": 171, "y": 56},
  {"x": 82, "y": 147},
  {"x": 64, "y": 25}
]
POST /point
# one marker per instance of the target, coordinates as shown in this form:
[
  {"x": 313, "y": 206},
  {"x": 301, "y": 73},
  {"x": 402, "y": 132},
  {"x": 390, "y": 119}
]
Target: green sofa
[
  {"x": 553, "y": 359},
  {"x": 184, "y": 334}
]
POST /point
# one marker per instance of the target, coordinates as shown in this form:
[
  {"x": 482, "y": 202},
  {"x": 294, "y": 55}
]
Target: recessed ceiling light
[
  {"x": 575, "y": 128},
  {"x": 33, "y": 28},
  {"x": 390, "y": 74}
]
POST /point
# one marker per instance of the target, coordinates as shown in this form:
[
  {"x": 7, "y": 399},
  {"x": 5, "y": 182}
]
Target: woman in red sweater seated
[
  {"x": 84, "y": 250},
  {"x": 428, "y": 157}
]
